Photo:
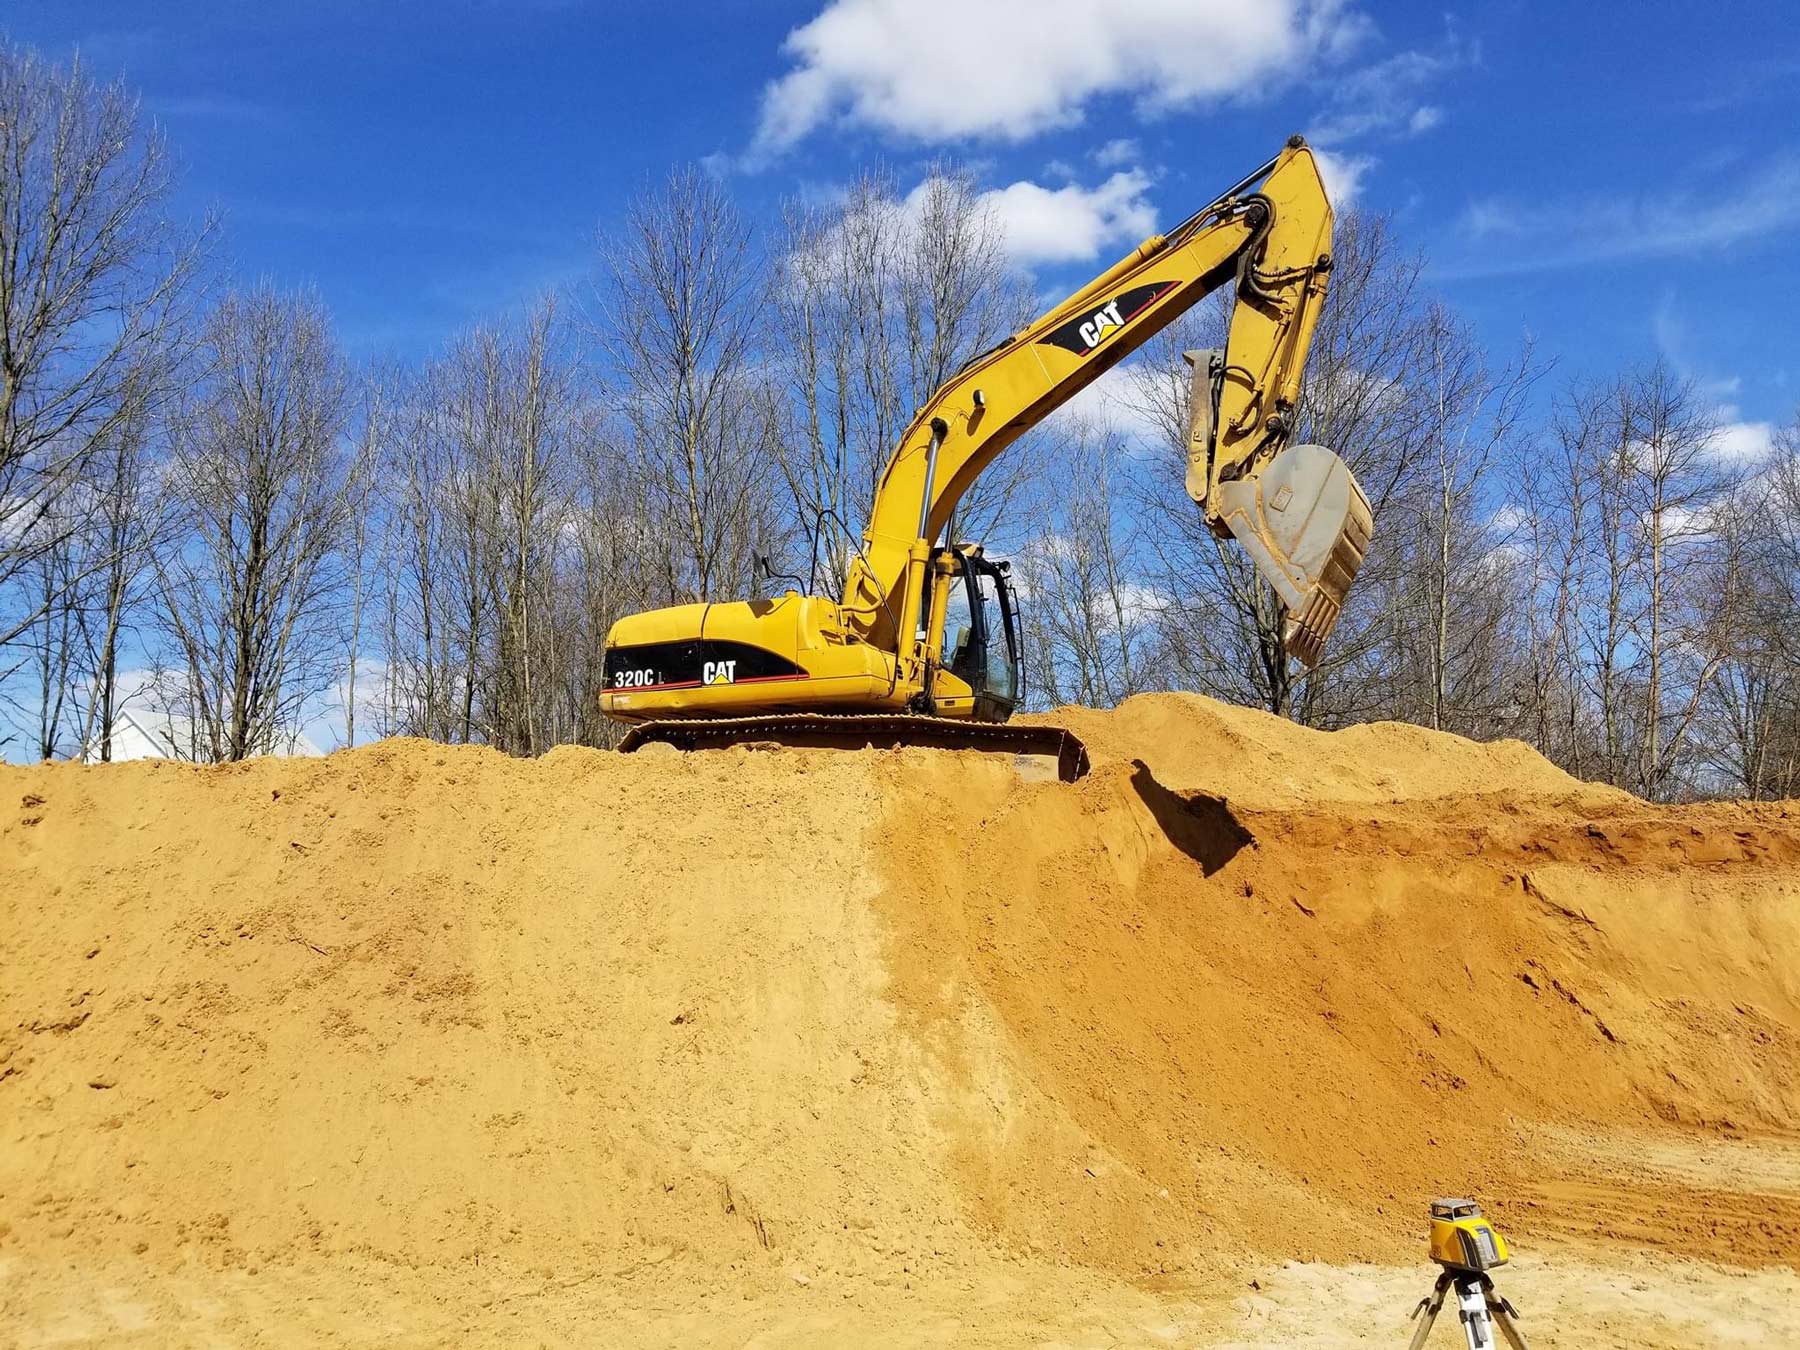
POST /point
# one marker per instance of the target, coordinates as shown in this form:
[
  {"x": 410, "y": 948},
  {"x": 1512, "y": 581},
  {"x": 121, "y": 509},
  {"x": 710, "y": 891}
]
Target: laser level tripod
[{"x": 1467, "y": 1247}]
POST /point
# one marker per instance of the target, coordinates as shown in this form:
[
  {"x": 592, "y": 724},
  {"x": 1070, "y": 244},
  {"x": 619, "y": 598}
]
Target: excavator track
[{"x": 862, "y": 731}]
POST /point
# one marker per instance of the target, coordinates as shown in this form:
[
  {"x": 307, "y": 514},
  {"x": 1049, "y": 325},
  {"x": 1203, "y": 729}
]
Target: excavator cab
[{"x": 980, "y": 651}]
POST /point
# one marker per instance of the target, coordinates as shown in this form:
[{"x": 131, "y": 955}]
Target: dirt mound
[
  {"x": 759, "y": 1018},
  {"x": 1192, "y": 743},
  {"x": 437, "y": 1005},
  {"x": 1282, "y": 1030}
]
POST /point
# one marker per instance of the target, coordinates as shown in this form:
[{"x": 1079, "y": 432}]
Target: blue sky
[{"x": 1618, "y": 181}]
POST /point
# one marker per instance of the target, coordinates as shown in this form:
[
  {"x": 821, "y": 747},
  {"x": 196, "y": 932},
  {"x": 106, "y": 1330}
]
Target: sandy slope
[{"x": 417, "y": 1044}]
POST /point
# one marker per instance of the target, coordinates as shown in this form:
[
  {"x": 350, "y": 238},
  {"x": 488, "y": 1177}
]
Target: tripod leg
[
  {"x": 1429, "y": 1305},
  {"x": 1503, "y": 1314},
  {"x": 1471, "y": 1309}
]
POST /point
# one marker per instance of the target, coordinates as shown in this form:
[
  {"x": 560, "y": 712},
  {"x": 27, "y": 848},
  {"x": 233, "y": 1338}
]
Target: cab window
[
  {"x": 999, "y": 655},
  {"x": 960, "y": 655}
]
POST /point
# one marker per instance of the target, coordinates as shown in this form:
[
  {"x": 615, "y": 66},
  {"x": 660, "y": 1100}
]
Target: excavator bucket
[{"x": 1305, "y": 522}]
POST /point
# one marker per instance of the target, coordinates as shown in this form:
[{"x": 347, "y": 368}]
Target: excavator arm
[{"x": 1297, "y": 510}]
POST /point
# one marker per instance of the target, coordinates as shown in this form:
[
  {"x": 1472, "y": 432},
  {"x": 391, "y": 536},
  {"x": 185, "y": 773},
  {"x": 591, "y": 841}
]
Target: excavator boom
[{"x": 1270, "y": 234}]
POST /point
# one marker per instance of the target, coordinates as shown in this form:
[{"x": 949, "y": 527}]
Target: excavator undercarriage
[{"x": 867, "y": 731}]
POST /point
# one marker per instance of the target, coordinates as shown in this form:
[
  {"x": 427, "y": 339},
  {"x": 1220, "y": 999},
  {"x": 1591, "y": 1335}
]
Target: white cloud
[
  {"x": 1735, "y": 443},
  {"x": 940, "y": 70},
  {"x": 1121, "y": 402},
  {"x": 1743, "y": 442},
  {"x": 1694, "y": 217},
  {"x": 16, "y": 516},
  {"x": 1676, "y": 342},
  {"x": 1507, "y": 518},
  {"x": 1070, "y": 223},
  {"x": 1343, "y": 175},
  {"x": 1387, "y": 98},
  {"x": 1486, "y": 219},
  {"x": 1117, "y": 153},
  {"x": 1038, "y": 225},
  {"x": 1679, "y": 523}
]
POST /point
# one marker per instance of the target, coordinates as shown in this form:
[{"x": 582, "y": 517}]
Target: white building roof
[{"x": 141, "y": 732}]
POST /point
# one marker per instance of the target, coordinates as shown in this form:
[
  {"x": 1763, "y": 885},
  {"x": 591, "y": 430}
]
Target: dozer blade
[
  {"x": 861, "y": 731},
  {"x": 1305, "y": 522}
]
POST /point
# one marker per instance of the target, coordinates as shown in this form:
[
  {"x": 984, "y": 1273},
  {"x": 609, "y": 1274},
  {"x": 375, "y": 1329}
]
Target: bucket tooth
[{"x": 1305, "y": 522}]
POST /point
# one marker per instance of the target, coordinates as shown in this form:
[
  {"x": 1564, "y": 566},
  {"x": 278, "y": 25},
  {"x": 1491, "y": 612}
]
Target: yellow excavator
[{"x": 873, "y": 666}]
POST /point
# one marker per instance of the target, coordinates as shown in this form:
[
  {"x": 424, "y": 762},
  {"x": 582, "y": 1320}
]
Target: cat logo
[
  {"x": 718, "y": 672},
  {"x": 1104, "y": 320},
  {"x": 1087, "y": 330}
]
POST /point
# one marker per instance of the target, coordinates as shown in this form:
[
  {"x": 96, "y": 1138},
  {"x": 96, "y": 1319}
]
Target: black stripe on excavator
[
  {"x": 1088, "y": 330},
  {"x": 694, "y": 661}
]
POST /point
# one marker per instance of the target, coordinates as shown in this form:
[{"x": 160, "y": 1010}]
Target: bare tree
[
  {"x": 1606, "y": 451},
  {"x": 95, "y": 282},
  {"x": 128, "y": 523},
  {"x": 374, "y": 419},
  {"x": 526, "y": 391},
  {"x": 876, "y": 301},
  {"x": 52, "y": 639},
  {"x": 608, "y": 574},
  {"x": 92, "y": 582},
  {"x": 416, "y": 548},
  {"x": 1548, "y": 512},
  {"x": 1642, "y": 578},
  {"x": 1089, "y": 621},
  {"x": 1679, "y": 483},
  {"x": 1747, "y": 734},
  {"x": 483, "y": 507},
  {"x": 262, "y": 482},
  {"x": 1452, "y": 662},
  {"x": 1744, "y": 737},
  {"x": 678, "y": 320}
]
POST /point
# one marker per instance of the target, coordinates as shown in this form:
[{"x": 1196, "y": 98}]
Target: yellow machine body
[
  {"x": 1461, "y": 1239},
  {"x": 796, "y": 653},
  {"x": 883, "y": 646}
]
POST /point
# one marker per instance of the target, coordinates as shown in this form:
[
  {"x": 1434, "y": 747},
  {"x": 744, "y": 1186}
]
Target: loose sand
[{"x": 420, "y": 1045}]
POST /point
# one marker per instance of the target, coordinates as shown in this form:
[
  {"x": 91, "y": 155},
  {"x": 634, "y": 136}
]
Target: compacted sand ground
[{"x": 417, "y": 1045}]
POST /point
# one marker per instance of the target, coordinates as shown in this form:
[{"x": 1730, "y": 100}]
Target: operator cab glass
[
  {"x": 981, "y": 638},
  {"x": 959, "y": 633},
  {"x": 1002, "y": 666}
]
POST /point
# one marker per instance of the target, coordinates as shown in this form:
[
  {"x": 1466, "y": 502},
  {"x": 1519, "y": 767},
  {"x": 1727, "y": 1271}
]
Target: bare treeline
[{"x": 211, "y": 520}]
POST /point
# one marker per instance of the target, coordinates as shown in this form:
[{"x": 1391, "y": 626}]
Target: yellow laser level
[
  {"x": 1467, "y": 1246},
  {"x": 1461, "y": 1239}
]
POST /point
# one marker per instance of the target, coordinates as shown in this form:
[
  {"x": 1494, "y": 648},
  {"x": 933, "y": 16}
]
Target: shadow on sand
[{"x": 1198, "y": 824}]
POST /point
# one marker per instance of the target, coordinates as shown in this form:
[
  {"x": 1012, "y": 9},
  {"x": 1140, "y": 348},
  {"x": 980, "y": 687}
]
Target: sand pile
[{"x": 1246, "y": 992}]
